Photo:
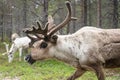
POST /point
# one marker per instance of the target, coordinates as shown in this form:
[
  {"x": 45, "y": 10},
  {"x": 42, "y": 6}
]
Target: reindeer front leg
[
  {"x": 77, "y": 74},
  {"x": 20, "y": 54}
]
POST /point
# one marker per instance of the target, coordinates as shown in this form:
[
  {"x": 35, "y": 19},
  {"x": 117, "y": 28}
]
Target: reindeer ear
[
  {"x": 51, "y": 22},
  {"x": 54, "y": 38},
  {"x": 50, "y": 19}
]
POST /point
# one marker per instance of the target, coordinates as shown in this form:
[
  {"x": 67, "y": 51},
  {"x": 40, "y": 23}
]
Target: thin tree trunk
[
  {"x": 45, "y": 12},
  {"x": 99, "y": 23},
  {"x": 89, "y": 13},
  {"x": 60, "y": 18},
  {"x": 115, "y": 14},
  {"x": 25, "y": 13},
  {"x": 24, "y": 16},
  {"x": 2, "y": 39},
  {"x": 74, "y": 14},
  {"x": 84, "y": 12}
]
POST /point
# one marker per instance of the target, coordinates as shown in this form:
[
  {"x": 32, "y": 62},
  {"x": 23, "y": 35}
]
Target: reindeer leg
[
  {"x": 98, "y": 70},
  {"x": 20, "y": 54},
  {"x": 77, "y": 74}
]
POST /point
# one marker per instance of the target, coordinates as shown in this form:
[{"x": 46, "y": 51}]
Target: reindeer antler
[
  {"x": 67, "y": 20},
  {"x": 39, "y": 29},
  {"x": 48, "y": 32}
]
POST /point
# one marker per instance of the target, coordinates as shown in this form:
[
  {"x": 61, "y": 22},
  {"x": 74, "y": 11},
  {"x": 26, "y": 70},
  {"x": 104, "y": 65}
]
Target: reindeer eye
[{"x": 43, "y": 45}]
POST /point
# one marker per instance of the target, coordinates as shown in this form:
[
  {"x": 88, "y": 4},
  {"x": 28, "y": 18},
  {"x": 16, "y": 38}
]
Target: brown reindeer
[{"x": 89, "y": 48}]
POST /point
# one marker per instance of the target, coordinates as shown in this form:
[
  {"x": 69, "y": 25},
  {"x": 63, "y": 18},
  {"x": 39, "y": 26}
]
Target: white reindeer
[
  {"x": 19, "y": 43},
  {"x": 89, "y": 48}
]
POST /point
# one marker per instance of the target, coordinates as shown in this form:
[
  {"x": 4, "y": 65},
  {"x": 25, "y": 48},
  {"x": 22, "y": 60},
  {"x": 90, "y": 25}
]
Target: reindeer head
[{"x": 42, "y": 46}]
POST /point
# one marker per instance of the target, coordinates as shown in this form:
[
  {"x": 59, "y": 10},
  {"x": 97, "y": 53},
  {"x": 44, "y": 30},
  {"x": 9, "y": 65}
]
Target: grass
[{"x": 42, "y": 70}]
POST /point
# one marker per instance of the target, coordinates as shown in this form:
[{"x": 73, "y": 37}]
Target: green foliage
[{"x": 43, "y": 70}]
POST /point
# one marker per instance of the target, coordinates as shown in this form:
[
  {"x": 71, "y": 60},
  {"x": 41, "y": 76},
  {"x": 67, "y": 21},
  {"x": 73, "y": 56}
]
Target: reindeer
[
  {"x": 89, "y": 48},
  {"x": 20, "y": 43}
]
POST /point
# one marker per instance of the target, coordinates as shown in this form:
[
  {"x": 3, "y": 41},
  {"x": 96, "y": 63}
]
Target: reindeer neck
[
  {"x": 68, "y": 44},
  {"x": 65, "y": 49}
]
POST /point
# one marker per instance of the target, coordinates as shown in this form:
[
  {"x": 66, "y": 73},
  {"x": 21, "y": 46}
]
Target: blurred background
[{"x": 18, "y": 14}]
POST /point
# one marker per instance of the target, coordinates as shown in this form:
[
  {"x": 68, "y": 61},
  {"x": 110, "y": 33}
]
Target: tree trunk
[
  {"x": 25, "y": 13},
  {"x": 74, "y": 14},
  {"x": 84, "y": 12},
  {"x": 115, "y": 14},
  {"x": 89, "y": 13},
  {"x": 99, "y": 23},
  {"x": 45, "y": 12},
  {"x": 24, "y": 16},
  {"x": 61, "y": 17},
  {"x": 2, "y": 37}
]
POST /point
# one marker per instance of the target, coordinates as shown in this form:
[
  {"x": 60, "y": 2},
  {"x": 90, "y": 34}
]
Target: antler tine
[
  {"x": 41, "y": 30},
  {"x": 67, "y": 19},
  {"x": 38, "y": 30},
  {"x": 39, "y": 24},
  {"x": 46, "y": 27},
  {"x": 29, "y": 30},
  {"x": 32, "y": 38}
]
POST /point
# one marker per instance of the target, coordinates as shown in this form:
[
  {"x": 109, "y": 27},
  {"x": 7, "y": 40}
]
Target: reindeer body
[
  {"x": 19, "y": 43},
  {"x": 22, "y": 42},
  {"x": 88, "y": 45},
  {"x": 84, "y": 49}
]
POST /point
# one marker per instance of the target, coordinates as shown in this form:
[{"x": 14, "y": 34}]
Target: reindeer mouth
[{"x": 29, "y": 59}]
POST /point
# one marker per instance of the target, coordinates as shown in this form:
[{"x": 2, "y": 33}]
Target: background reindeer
[
  {"x": 89, "y": 48},
  {"x": 18, "y": 43}
]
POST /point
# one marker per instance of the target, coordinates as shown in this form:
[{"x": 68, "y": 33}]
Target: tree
[
  {"x": 25, "y": 13},
  {"x": 115, "y": 14},
  {"x": 99, "y": 17},
  {"x": 45, "y": 11},
  {"x": 84, "y": 12},
  {"x": 89, "y": 13}
]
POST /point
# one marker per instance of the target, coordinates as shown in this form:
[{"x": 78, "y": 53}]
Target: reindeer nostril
[{"x": 29, "y": 59}]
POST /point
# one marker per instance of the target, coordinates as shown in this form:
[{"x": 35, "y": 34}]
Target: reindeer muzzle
[{"x": 29, "y": 59}]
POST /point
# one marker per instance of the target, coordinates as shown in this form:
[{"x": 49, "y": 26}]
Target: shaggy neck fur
[{"x": 67, "y": 49}]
